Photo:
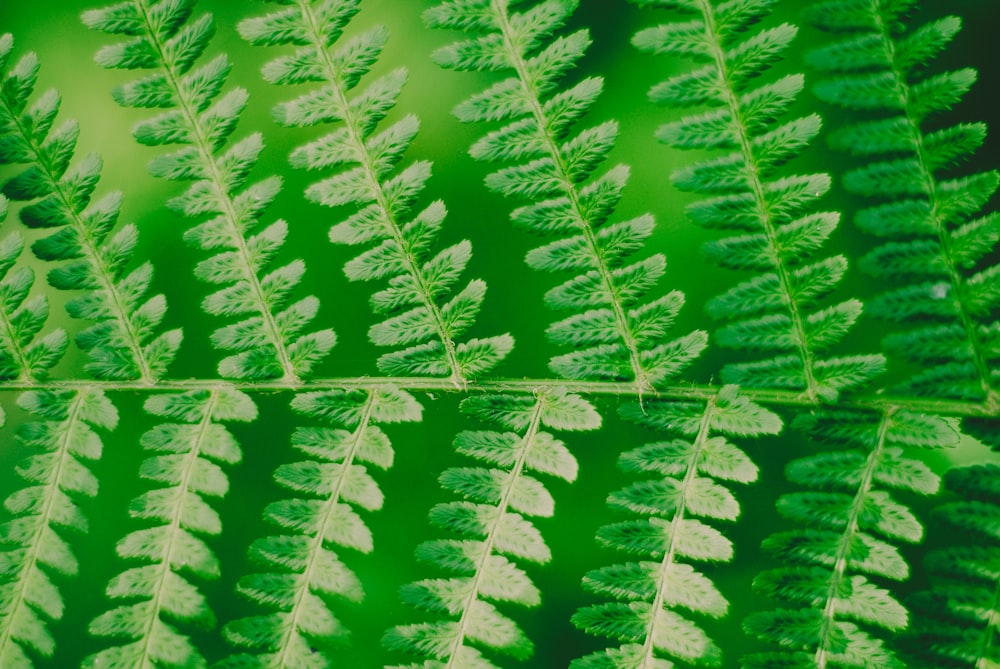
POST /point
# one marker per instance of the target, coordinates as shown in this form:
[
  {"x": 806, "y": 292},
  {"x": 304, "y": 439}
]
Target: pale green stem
[
  {"x": 291, "y": 620},
  {"x": 491, "y": 534},
  {"x": 166, "y": 567},
  {"x": 667, "y": 563},
  {"x": 90, "y": 247},
  {"x": 980, "y": 359},
  {"x": 840, "y": 562},
  {"x": 433, "y": 384},
  {"x": 45, "y": 515}
]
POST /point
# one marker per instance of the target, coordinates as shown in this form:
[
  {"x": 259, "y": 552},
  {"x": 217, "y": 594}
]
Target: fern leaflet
[
  {"x": 35, "y": 549},
  {"x": 417, "y": 281},
  {"x": 958, "y": 622},
  {"x": 21, "y": 318},
  {"x": 646, "y": 620},
  {"x": 774, "y": 312},
  {"x": 832, "y": 558},
  {"x": 189, "y": 451},
  {"x": 497, "y": 499},
  {"x": 303, "y": 567},
  {"x": 616, "y": 334},
  {"x": 937, "y": 253},
  {"x": 268, "y": 343},
  {"x": 121, "y": 344}
]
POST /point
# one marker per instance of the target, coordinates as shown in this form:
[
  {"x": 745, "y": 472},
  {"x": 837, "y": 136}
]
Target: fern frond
[
  {"x": 777, "y": 312},
  {"x": 170, "y": 545},
  {"x": 849, "y": 521},
  {"x": 268, "y": 342},
  {"x": 617, "y": 333},
  {"x": 958, "y": 619},
  {"x": 35, "y": 547},
  {"x": 400, "y": 250},
  {"x": 493, "y": 519},
  {"x": 936, "y": 259},
  {"x": 650, "y": 591},
  {"x": 123, "y": 344},
  {"x": 303, "y": 568},
  {"x": 21, "y": 318}
]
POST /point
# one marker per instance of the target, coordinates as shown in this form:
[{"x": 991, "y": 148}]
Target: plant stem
[
  {"x": 502, "y": 506},
  {"x": 44, "y": 515},
  {"x": 980, "y": 359},
  {"x": 840, "y": 563},
  {"x": 90, "y": 249},
  {"x": 352, "y": 122},
  {"x": 430, "y": 384},
  {"x": 281, "y": 658},
  {"x": 173, "y": 529},
  {"x": 648, "y": 656}
]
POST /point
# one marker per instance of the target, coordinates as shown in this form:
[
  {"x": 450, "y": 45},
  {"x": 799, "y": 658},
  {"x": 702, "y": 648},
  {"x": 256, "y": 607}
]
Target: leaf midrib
[
  {"x": 491, "y": 536},
  {"x": 667, "y": 562},
  {"x": 842, "y": 556},
  {"x": 91, "y": 250}
]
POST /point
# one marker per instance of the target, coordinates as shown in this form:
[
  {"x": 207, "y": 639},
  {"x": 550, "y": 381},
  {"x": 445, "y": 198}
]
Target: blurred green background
[{"x": 514, "y": 304}]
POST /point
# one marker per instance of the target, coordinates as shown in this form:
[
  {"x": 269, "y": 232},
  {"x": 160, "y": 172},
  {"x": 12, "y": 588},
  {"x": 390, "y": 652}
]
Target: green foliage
[
  {"x": 492, "y": 512},
  {"x": 959, "y": 617},
  {"x": 22, "y": 318},
  {"x": 402, "y": 251},
  {"x": 619, "y": 335},
  {"x": 936, "y": 254},
  {"x": 686, "y": 489},
  {"x": 847, "y": 517},
  {"x": 172, "y": 547},
  {"x": 269, "y": 342},
  {"x": 775, "y": 312},
  {"x": 35, "y": 547},
  {"x": 278, "y": 562},
  {"x": 121, "y": 344},
  {"x": 306, "y": 569}
]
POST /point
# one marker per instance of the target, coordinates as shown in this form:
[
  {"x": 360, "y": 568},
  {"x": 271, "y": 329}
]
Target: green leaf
[{"x": 57, "y": 479}]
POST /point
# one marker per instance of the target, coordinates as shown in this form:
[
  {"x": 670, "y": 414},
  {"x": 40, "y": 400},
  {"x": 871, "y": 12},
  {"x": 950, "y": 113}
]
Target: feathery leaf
[
  {"x": 22, "y": 353},
  {"x": 775, "y": 312},
  {"x": 36, "y": 548},
  {"x": 555, "y": 169},
  {"x": 493, "y": 517},
  {"x": 935, "y": 281},
  {"x": 302, "y": 566},
  {"x": 189, "y": 452},
  {"x": 830, "y": 560},
  {"x": 957, "y": 618},
  {"x": 123, "y": 343},
  {"x": 402, "y": 253},
  {"x": 271, "y": 343},
  {"x": 647, "y": 620}
]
